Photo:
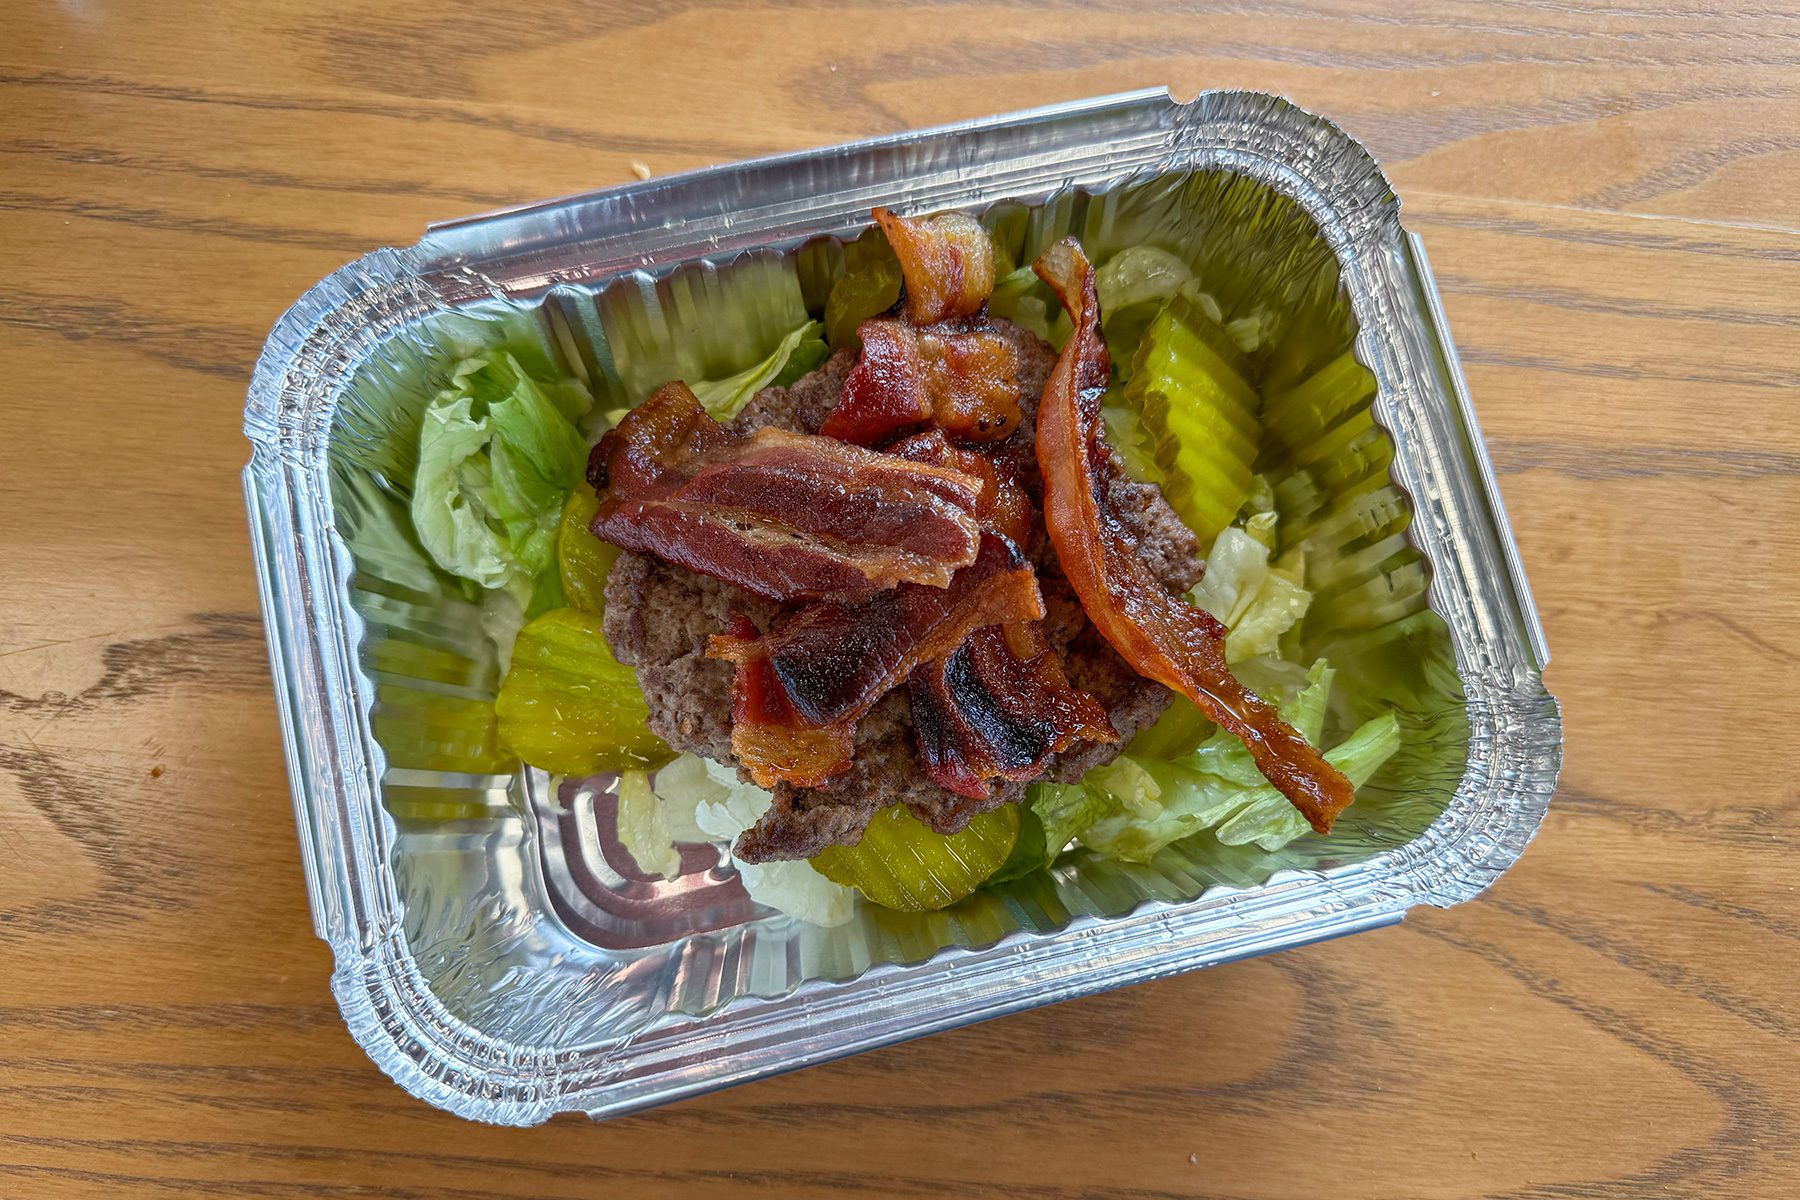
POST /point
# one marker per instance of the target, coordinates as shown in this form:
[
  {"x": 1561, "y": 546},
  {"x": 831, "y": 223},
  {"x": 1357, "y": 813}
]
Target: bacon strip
[
  {"x": 655, "y": 441},
  {"x": 961, "y": 377},
  {"x": 766, "y": 733},
  {"x": 999, "y": 706},
  {"x": 788, "y": 516},
  {"x": 832, "y": 662},
  {"x": 1003, "y": 507},
  {"x": 943, "y": 364},
  {"x": 1176, "y": 644},
  {"x": 947, "y": 261}
]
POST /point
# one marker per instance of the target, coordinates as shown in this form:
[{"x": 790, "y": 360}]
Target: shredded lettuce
[
  {"x": 1018, "y": 296},
  {"x": 724, "y": 398},
  {"x": 1271, "y": 822},
  {"x": 1271, "y": 676},
  {"x": 1135, "y": 784},
  {"x": 453, "y": 497},
  {"x": 1139, "y": 275},
  {"x": 1153, "y": 802},
  {"x": 498, "y": 451},
  {"x": 701, "y": 795},
  {"x": 1126, "y": 435},
  {"x": 1253, "y": 332},
  {"x": 644, "y": 827},
  {"x": 1150, "y": 812},
  {"x": 1258, "y": 599},
  {"x": 1049, "y": 818},
  {"x": 808, "y": 356},
  {"x": 1181, "y": 728}
]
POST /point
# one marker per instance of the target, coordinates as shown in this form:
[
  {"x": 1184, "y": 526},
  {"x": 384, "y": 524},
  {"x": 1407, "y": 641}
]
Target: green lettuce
[
  {"x": 1258, "y": 597},
  {"x": 1153, "y": 802},
  {"x": 1139, "y": 275},
  {"x": 643, "y": 827},
  {"x": 1133, "y": 286},
  {"x": 1178, "y": 731},
  {"x": 807, "y": 356},
  {"x": 1126, "y": 435},
  {"x": 709, "y": 801},
  {"x": 1271, "y": 822},
  {"x": 498, "y": 451},
  {"x": 1018, "y": 296},
  {"x": 1251, "y": 333},
  {"x": 1050, "y": 817},
  {"x": 801, "y": 350}
]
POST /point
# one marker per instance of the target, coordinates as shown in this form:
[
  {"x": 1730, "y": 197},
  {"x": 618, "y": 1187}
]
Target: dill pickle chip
[
  {"x": 1197, "y": 415},
  {"x": 869, "y": 287},
  {"x": 571, "y": 708},
  {"x": 582, "y": 559},
  {"x": 903, "y": 865}
]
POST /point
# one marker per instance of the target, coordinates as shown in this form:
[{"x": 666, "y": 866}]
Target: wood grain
[{"x": 1611, "y": 197}]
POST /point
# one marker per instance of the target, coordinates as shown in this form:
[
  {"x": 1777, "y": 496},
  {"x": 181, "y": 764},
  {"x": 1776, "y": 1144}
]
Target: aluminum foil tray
[{"x": 495, "y": 951}]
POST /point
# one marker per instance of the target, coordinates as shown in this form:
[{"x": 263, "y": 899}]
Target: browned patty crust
[{"x": 659, "y": 617}]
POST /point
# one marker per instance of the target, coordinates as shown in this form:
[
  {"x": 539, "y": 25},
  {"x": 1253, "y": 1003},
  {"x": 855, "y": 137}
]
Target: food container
[{"x": 496, "y": 952}]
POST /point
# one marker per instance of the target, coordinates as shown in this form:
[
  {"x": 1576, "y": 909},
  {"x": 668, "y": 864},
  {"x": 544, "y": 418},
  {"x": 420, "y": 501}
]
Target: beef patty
[{"x": 659, "y": 617}]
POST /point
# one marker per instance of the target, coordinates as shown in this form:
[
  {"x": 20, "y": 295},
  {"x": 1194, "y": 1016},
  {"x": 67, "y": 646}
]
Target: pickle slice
[
  {"x": 903, "y": 865},
  {"x": 1198, "y": 415},
  {"x": 869, "y": 287},
  {"x": 568, "y": 706},
  {"x": 582, "y": 559}
]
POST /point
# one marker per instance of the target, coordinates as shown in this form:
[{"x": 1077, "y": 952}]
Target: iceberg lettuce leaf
[
  {"x": 1257, "y": 600},
  {"x": 710, "y": 799},
  {"x": 725, "y": 398},
  {"x": 1020, "y": 297},
  {"x": 1125, "y": 434},
  {"x": 1139, "y": 275},
  {"x": 1049, "y": 818},
  {"x": 1153, "y": 802},
  {"x": 454, "y": 508},
  {"x": 1271, "y": 822},
  {"x": 643, "y": 827},
  {"x": 498, "y": 451}
]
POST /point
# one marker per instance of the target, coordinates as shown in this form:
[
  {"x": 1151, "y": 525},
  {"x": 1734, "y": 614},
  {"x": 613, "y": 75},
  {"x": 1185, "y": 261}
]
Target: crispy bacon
[
  {"x": 1003, "y": 506},
  {"x": 832, "y": 662},
  {"x": 1163, "y": 638},
  {"x": 961, "y": 377},
  {"x": 942, "y": 364},
  {"x": 788, "y": 516},
  {"x": 947, "y": 261},
  {"x": 1000, "y": 705},
  {"x": 655, "y": 442},
  {"x": 766, "y": 733},
  {"x": 999, "y": 708}
]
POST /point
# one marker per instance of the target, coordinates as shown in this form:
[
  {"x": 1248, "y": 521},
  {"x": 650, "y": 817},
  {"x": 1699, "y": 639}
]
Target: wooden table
[{"x": 1612, "y": 203}]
